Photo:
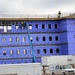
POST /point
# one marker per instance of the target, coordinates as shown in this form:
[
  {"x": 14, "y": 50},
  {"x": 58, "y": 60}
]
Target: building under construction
[{"x": 48, "y": 36}]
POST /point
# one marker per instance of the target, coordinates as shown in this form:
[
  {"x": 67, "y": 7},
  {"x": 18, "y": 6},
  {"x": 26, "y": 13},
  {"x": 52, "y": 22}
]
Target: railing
[{"x": 33, "y": 15}]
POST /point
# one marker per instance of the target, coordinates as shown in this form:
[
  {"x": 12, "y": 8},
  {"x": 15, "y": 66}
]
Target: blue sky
[{"x": 36, "y": 6}]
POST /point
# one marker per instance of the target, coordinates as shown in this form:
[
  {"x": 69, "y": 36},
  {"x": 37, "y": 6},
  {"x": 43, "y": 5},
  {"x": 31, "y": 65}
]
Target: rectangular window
[
  {"x": 56, "y": 38},
  {"x": 38, "y": 51},
  {"x": 43, "y": 26},
  {"x": 5, "y": 29},
  {"x": 51, "y": 50},
  {"x": 30, "y": 26},
  {"x": 13, "y": 23},
  {"x": 4, "y": 52},
  {"x": 11, "y": 52},
  {"x": 17, "y": 26},
  {"x": 57, "y": 50},
  {"x": 36, "y": 26},
  {"x": 0, "y": 23},
  {"x": 37, "y": 38},
  {"x": 44, "y": 50},
  {"x": 18, "y": 52},
  {"x": 3, "y": 23},
  {"x": 25, "y": 51},
  {"x": 31, "y": 38},
  {"x": 3, "y": 39},
  {"x": 44, "y": 39},
  {"x": 57, "y": 67},
  {"x": 1, "y": 27},
  {"x": 9, "y": 27},
  {"x": 9, "y": 23},
  {"x": 49, "y": 26},
  {"x": 30, "y": 51},
  {"x": 24, "y": 39},
  {"x": 17, "y": 39},
  {"x": 10, "y": 39},
  {"x": 55, "y": 26},
  {"x": 16, "y": 23},
  {"x": 50, "y": 38}
]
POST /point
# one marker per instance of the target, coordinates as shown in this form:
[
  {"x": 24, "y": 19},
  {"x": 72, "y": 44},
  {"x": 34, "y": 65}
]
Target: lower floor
[
  {"x": 19, "y": 60},
  {"x": 13, "y": 55}
]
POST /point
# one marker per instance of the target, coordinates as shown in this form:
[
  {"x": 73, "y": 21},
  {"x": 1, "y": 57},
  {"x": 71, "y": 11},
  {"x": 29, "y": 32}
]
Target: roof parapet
[{"x": 35, "y": 16}]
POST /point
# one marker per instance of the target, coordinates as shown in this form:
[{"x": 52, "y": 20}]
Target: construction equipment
[{"x": 24, "y": 25}]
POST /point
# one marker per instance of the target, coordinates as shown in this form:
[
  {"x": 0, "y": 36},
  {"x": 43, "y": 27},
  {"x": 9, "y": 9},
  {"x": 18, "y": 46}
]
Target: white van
[{"x": 61, "y": 69}]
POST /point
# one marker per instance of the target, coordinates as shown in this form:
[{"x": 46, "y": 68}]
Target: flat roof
[
  {"x": 21, "y": 17},
  {"x": 26, "y": 19}
]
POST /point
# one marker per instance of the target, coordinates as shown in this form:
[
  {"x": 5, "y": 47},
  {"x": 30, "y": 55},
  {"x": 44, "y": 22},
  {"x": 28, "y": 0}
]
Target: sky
[{"x": 36, "y": 6}]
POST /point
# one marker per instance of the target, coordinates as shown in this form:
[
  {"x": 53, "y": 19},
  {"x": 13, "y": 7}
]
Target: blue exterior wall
[
  {"x": 71, "y": 36},
  {"x": 63, "y": 37},
  {"x": 62, "y": 41}
]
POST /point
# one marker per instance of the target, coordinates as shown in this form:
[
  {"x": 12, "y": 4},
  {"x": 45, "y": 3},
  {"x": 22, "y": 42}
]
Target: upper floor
[{"x": 38, "y": 26}]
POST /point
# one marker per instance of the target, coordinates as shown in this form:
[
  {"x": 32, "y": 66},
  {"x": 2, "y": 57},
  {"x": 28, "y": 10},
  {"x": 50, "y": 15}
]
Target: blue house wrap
[{"x": 48, "y": 37}]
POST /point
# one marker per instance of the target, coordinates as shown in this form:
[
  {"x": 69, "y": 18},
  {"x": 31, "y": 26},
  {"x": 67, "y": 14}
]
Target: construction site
[{"x": 26, "y": 39}]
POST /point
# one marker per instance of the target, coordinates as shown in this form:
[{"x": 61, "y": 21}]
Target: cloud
[{"x": 36, "y": 6}]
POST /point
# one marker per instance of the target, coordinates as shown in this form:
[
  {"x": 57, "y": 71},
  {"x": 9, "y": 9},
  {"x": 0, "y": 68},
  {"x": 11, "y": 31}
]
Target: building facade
[{"x": 48, "y": 36}]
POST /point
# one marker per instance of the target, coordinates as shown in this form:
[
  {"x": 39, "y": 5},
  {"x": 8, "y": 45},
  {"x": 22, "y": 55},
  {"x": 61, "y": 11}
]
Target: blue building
[{"x": 49, "y": 36}]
